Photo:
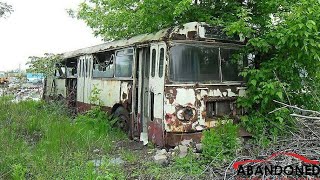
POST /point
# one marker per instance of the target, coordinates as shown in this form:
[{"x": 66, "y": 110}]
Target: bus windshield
[{"x": 190, "y": 63}]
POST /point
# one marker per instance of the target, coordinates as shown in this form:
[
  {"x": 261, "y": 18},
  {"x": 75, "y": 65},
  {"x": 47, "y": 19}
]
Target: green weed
[
  {"x": 220, "y": 143},
  {"x": 42, "y": 140}
]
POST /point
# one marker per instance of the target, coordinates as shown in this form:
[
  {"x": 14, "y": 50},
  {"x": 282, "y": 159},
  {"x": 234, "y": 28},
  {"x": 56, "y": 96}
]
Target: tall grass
[{"x": 40, "y": 141}]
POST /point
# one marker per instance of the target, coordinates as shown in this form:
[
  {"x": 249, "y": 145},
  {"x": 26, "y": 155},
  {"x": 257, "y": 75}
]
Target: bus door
[
  {"x": 153, "y": 94},
  {"x": 85, "y": 65},
  {"x": 143, "y": 91}
]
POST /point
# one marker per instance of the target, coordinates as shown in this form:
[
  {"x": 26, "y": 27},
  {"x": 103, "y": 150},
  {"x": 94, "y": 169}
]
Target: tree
[
  {"x": 5, "y": 9},
  {"x": 46, "y": 64},
  {"x": 109, "y": 18}
]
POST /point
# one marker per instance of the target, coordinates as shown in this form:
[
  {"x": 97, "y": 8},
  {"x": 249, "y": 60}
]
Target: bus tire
[{"x": 123, "y": 121}]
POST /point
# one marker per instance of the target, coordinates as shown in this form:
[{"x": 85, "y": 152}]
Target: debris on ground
[
  {"x": 161, "y": 157},
  {"x": 22, "y": 91}
]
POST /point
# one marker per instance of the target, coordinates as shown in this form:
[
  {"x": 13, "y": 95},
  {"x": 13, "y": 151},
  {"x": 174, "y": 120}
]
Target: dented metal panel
[{"x": 185, "y": 108}]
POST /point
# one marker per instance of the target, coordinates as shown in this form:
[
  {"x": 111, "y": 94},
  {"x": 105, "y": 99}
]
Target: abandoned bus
[{"x": 163, "y": 87}]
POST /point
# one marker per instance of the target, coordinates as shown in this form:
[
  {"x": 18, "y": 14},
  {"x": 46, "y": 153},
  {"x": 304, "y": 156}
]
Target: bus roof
[{"x": 188, "y": 31}]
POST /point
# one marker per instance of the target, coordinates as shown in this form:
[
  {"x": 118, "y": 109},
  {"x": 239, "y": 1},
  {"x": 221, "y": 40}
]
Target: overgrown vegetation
[
  {"x": 39, "y": 141},
  {"x": 288, "y": 64},
  {"x": 221, "y": 143}
]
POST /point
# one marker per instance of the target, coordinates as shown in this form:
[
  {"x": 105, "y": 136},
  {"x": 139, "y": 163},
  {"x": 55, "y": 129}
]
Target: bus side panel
[
  {"x": 60, "y": 87},
  {"x": 220, "y": 98},
  {"x": 110, "y": 91},
  {"x": 49, "y": 91}
]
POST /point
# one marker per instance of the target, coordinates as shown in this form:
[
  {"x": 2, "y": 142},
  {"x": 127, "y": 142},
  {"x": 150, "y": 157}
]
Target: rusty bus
[{"x": 164, "y": 87}]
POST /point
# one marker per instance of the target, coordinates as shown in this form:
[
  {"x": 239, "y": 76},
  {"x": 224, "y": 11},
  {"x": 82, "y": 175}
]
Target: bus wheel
[{"x": 123, "y": 121}]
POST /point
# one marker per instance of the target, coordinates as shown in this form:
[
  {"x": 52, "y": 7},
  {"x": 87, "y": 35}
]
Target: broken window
[
  {"x": 103, "y": 65},
  {"x": 71, "y": 67},
  {"x": 60, "y": 70},
  {"x": 124, "y": 61},
  {"x": 219, "y": 108}
]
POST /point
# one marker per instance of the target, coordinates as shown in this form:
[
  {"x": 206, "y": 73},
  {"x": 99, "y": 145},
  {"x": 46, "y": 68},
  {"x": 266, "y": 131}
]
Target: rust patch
[
  {"x": 176, "y": 125},
  {"x": 213, "y": 99},
  {"x": 155, "y": 133},
  {"x": 174, "y": 139},
  {"x": 204, "y": 114},
  {"x": 83, "y": 107},
  {"x": 192, "y": 34},
  {"x": 176, "y": 36},
  {"x": 171, "y": 94}
]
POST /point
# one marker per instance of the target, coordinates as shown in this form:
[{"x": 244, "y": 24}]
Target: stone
[
  {"x": 161, "y": 159},
  {"x": 96, "y": 151},
  {"x": 199, "y": 147},
  {"x": 97, "y": 162},
  {"x": 183, "y": 151},
  {"x": 186, "y": 142},
  {"x": 161, "y": 152},
  {"x": 116, "y": 161}
]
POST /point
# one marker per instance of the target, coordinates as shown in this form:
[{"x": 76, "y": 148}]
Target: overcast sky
[{"x": 39, "y": 26}]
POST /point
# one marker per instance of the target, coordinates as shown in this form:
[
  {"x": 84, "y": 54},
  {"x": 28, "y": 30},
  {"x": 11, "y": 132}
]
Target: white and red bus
[{"x": 163, "y": 87}]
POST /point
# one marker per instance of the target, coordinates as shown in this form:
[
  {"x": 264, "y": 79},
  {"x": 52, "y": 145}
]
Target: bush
[{"x": 221, "y": 143}]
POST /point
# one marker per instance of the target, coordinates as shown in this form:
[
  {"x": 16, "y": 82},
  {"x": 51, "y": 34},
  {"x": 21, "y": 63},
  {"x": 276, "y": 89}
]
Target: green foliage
[
  {"x": 109, "y": 19},
  {"x": 221, "y": 143},
  {"x": 95, "y": 96},
  {"x": 288, "y": 62},
  {"x": 189, "y": 164},
  {"x": 46, "y": 64},
  {"x": 18, "y": 172}
]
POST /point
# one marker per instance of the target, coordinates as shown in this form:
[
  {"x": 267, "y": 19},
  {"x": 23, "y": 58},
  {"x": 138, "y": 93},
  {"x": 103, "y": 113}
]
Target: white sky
[{"x": 40, "y": 26}]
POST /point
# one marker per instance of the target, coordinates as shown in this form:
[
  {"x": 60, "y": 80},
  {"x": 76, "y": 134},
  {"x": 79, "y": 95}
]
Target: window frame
[
  {"x": 217, "y": 45},
  {"x": 153, "y": 63},
  {"x": 116, "y": 59},
  {"x": 161, "y": 63}
]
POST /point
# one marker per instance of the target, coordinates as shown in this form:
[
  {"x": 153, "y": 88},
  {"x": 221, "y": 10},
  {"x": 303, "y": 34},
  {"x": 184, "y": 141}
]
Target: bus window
[
  {"x": 191, "y": 63},
  {"x": 103, "y": 66},
  {"x": 229, "y": 64},
  {"x": 147, "y": 61},
  {"x": 153, "y": 68},
  {"x": 161, "y": 60},
  {"x": 124, "y": 59}
]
